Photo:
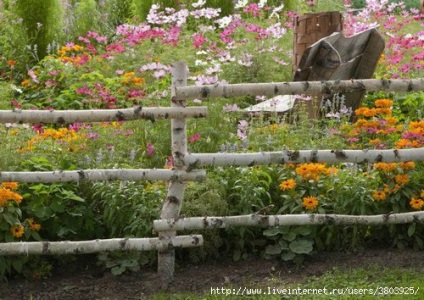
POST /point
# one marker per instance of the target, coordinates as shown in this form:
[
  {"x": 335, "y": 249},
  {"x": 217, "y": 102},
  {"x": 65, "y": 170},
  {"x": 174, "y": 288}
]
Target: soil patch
[{"x": 85, "y": 281}]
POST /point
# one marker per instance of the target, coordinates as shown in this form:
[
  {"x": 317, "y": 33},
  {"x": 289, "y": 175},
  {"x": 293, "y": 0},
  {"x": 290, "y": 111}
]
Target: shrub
[{"x": 42, "y": 21}]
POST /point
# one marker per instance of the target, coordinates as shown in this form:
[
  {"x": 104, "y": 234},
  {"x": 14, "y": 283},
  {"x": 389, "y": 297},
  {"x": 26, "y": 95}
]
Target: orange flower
[
  {"x": 11, "y": 63},
  {"x": 310, "y": 203},
  {"x": 407, "y": 165},
  {"x": 6, "y": 195},
  {"x": 416, "y": 203},
  {"x": 287, "y": 184},
  {"x": 402, "y": 179},
  {"x": 17, "y": 231},
  {"x": 387, "y": 103},
  {"x": 385, "y": 167},
  {"x": 10, "y": 185},
  {"x": 379, "y": 195},
  {"x": 32, "y": 224}
]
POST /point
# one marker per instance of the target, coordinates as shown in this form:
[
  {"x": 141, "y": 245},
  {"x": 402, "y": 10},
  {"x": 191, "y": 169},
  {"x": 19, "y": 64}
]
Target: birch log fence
[{"x": 187, "y": 167}]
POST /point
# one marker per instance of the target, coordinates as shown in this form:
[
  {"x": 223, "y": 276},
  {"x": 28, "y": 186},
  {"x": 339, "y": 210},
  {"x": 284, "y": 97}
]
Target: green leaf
[
  {"x": 290, "y": 236},
  {"x": 118, "y": 270},
  {"x": 36, "y": 236},
  {"x": 411, "y": 229},
  {"x": 276, "y": 231},
  {"x": 236, "y": 255},
  {"x": 17, "y": 264},
  {"x": 273, "y": 249},
  {"x": 286, "y": 256},
  {"x": 303, "y": 230},
  {"x": 301, "y": 246},
  {"x": 57, "y": 206}
]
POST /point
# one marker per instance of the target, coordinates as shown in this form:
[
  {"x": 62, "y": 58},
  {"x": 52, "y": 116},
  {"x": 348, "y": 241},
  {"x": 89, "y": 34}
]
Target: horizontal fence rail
[
  {"x": 103, "y": 175},
  {"x": 285, "y": 220},
  {"x": 101, "y": 115},
  {"x": 195, "y": 160},
  {"x": 95, "y": 246},
  {"x": 301, "y": 87}
]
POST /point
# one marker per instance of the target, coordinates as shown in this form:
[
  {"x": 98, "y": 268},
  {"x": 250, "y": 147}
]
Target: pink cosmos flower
[
  {"x": 198, "y": 40},
  {"x": 194, "y": 137}
]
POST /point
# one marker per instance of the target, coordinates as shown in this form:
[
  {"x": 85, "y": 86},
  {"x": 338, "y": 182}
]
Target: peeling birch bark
[
  {"x": 103, "y": 175},
  {"x": 172, "y": 205},
  {"x": 100, "y": 115},
  {"x": 197, "y": 223},
  {"x": 301, "y": 87},
  {"x": 304, "y": 156},
  {"x": 95, "y": 246}
]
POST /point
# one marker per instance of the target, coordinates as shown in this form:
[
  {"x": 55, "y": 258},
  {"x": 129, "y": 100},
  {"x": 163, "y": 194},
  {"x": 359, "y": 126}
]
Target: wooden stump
[{"x": 312, "y": 27}]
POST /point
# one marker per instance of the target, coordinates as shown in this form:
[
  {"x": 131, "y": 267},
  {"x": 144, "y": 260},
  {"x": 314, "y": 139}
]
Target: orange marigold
[
  {"x": 287, "y": 184},
  {"x": 310, "y": 203},
  {"x": 383, "y": 103}
]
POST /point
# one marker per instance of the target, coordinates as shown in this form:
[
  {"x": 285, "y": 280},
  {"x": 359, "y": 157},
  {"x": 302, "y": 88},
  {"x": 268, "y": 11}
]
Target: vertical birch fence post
[{"x": 172, "y": 205}]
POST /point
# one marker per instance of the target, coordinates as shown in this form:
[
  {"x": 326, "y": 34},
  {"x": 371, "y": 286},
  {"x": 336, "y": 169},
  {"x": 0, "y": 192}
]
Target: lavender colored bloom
[
  {"x": 150, "y": 149},
  {"x": 93, "y": 135}
]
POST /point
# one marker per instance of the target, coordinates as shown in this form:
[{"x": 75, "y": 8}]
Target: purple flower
[
  {"x": 150, "y": 149},
  {"x": 93, "y": 135}
]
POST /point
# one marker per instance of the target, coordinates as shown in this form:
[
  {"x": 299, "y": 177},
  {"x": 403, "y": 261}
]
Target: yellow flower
[
  {"x": 379, "y": 195},
  {"x": 17, "y": 231},
  {"x": 287, "y": 184},
  {"x": 402, "y": 179},
  {"x": 416, "y": 203},
  {"x": 310, "y": 203}
]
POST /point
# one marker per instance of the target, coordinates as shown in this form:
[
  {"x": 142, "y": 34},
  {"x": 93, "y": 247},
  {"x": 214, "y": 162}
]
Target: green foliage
[
  {"x": 62, "y": 212},
  {"x": 42, "y": 21},
  {"x": 13, "y": 42},
  {"x": 290, "y": 243}
]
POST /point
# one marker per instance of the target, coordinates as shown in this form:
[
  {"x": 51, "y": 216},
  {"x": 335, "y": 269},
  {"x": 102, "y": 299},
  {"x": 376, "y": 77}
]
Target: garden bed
[{"x": 86, "y": 281}]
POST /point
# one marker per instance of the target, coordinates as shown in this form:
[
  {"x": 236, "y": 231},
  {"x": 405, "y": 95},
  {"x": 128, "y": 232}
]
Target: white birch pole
[
  {"x": 103, "y": 175},
  {"x": 197, "y": 223},
  {"x": 303, "y": 156},
  {"x": 172, "y": 205},
  {"x": 95, "y": 246},
  {"x": 100, "y": 115},
  {"x": 301, "y": 87}
]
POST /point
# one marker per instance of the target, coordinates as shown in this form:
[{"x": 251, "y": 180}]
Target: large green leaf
[
  {"x": 301, "y": 246},
  {"x": 273, "y": 249}
]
